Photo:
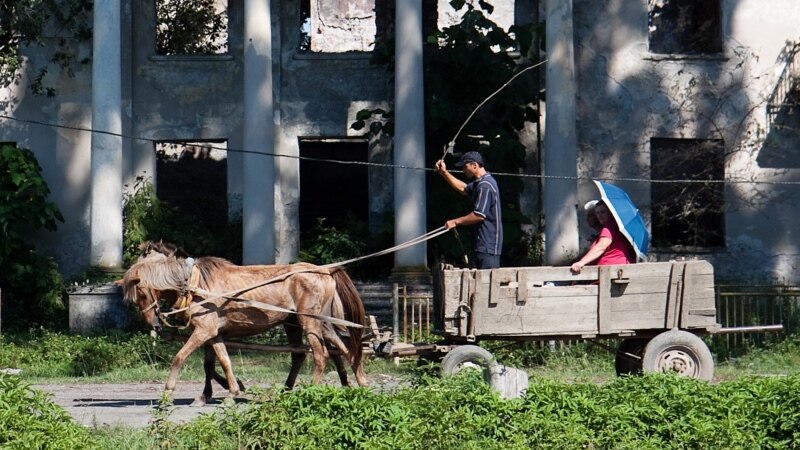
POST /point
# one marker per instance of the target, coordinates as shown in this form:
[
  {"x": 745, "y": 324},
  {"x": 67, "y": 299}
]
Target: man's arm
[
  {"x": 469, "y": 219},
  {"x": 455, "y": 183}
]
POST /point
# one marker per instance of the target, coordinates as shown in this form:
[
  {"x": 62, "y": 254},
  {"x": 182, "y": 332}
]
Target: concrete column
[
  {"x": 106, "y": 160},
  {"x": 409, "y": 139},
  {"x": 258, "y": 189},
  {"x": 560, "y": 141}
]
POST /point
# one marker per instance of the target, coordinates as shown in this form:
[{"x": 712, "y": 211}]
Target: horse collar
[{"x": 188, "y": 265}]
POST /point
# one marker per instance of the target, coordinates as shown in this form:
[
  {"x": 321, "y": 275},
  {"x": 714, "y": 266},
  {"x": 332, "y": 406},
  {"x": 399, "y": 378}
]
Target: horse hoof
[{"x": 199, "y": 401}]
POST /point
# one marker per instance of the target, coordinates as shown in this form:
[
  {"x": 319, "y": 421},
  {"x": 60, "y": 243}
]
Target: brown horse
[
  {"x": 148, "y": 302},
  {"x": 310, "y": 291}
]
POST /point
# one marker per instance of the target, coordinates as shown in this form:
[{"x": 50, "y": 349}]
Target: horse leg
[
  {"x": 196, "y": 339},
  {"x": 225, "y": 361},
  {"x": 209, "y": 369},
  {"x": 340, "y": 369},
  {"x": 211, "y": 373},
  {"x": 294, "y": 334},
  {"x": 316, "y": 340},
  {"x": 357, "y": 364},
  {"x": 209, "y": 363},
  {"x": 331, "y": 337},
  {"x": 356, "y": 359}
]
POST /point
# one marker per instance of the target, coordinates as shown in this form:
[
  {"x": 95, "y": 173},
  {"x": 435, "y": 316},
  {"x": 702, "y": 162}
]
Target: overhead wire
[{"x": 400, "y": 166}]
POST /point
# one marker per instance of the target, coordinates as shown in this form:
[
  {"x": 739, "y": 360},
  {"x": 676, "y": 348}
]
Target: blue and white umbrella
[{"x": 627, "y": 216}]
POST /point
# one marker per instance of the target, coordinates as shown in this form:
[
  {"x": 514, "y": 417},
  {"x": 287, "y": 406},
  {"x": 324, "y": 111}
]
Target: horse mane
[
  {"x": 161, "y": 247},
  {"x": 161, "y": 274},
  {"x": 208, "y": 265}
]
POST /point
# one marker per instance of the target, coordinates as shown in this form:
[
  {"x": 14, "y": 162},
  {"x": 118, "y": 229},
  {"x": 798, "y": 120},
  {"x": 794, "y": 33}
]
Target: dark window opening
[
  {"x": 193, "y": 177},
  {"x": 690, "y": 27},
  {"x": 688, "y": 214},
  {"x": 191, "y": 27},
  {"x": 335, "y": 192}
]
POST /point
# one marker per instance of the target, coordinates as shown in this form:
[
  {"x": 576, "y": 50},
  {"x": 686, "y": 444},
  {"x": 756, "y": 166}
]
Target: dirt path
[{"x": 132, "y": 404}]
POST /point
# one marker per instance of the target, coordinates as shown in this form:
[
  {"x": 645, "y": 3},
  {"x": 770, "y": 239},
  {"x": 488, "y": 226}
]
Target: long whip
[{"x": 450, "y": 145}]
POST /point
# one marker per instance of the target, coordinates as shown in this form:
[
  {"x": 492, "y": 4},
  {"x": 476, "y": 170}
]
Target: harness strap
[
  {"x": 269, "y": 307},
  {"x": 192, "y": 282},
  {"x": 192, "y": 288}
]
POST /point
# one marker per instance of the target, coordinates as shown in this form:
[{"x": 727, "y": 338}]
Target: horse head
[
  {"x": 153, "y": 276},
  {"x": 145, "y": 299}
]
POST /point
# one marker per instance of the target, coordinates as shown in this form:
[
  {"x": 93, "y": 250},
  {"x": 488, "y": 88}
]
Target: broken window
[
  {"x": 502, "y": 12},
  {"x": 329, "y": 26},
  {"x": 687, "y": 209},
  {"x": 191, "y": 27},
  {"x": 690, "y": 27},
  {"x": 192, "y": 176},
  {"x": 338, "y": 201}
]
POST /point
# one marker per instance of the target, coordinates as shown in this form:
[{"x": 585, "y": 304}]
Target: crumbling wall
[{"x": 628, "y": 94}]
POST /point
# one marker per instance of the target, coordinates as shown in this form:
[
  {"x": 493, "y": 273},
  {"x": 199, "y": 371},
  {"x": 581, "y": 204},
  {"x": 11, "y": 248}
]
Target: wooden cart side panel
[
  {"x": 660, "y": 295},
  {"x": 645, "y": 297},
  {"x": 457, "y": 285},
  {"x": 520, "y": 302},
  {"x": 539, "y": 316},
  {"x": 640, "y": 296},
  {"x": 699, "y": 299}
]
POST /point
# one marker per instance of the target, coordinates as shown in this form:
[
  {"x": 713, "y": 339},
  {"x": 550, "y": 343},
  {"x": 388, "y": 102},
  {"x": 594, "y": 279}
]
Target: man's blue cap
[{"x": 470, "y": 157}]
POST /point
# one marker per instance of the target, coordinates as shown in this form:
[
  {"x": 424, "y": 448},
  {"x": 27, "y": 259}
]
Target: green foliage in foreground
[
  {"x": 650, "y": 412},
  {"x": 29, "y": 420}
]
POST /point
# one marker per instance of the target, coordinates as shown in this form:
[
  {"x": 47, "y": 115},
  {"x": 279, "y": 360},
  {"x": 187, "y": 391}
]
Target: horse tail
[{"x": 353, "y": 311}]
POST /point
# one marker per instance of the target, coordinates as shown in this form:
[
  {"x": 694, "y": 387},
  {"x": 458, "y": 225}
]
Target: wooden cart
[{"x": 659, "y": 310}]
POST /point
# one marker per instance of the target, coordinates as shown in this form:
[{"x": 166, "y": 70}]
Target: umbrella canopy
[{"x": 627, "y": 216}]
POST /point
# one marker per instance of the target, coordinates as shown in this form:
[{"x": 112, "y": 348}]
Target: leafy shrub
[
  {"x": 659, "y": 411},
  {"x": 33, "y": 291},
  {"x": 98, "y": 356},
  {"x": 347, "y": 239},
  {"x": 326, "y": 244},
  {"x": 29, "y": 420},
  {"x": 146, "y": 218},
  {"x": 41, "y": 352}
]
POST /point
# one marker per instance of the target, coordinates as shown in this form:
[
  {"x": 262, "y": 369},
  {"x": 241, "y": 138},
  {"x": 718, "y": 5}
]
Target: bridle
[{"x": 155, "y": 306}]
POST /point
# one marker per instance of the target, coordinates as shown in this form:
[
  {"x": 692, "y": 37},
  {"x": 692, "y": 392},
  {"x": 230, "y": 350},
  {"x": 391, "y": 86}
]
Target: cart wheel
[
  {"x": 629, "y": 356},
  {"x": 681, "y": 352},
  {"x": 468, "y": 357}
]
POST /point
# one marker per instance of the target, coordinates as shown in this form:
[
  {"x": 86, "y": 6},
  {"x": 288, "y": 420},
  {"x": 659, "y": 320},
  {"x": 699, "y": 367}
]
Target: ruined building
[{"x": 689, "y": 105}]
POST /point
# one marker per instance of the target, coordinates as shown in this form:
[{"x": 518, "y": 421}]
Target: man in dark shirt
[{"x": 485, "y": 215}]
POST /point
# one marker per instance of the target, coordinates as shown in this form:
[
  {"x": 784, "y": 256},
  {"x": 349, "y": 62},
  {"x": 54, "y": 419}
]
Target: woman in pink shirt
[{"x": 610, "y": 247}]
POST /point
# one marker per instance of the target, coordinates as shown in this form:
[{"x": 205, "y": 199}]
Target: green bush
[
  {"x": 146, "y": 218},
  {"x": 647, "y": 412},
  {"x": 33, "y": 291},
  {"x": 29, "y": 420},
  {"x": 347, "y": 239},
  {"x": 43, "y": 353}
]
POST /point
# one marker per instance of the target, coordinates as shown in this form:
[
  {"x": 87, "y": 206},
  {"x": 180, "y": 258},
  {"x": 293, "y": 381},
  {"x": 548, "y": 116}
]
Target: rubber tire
[
  {"x": 624, "y": 364},
  {"x": 455, "y": 360},
  {"x": 681, "y": 352}
]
